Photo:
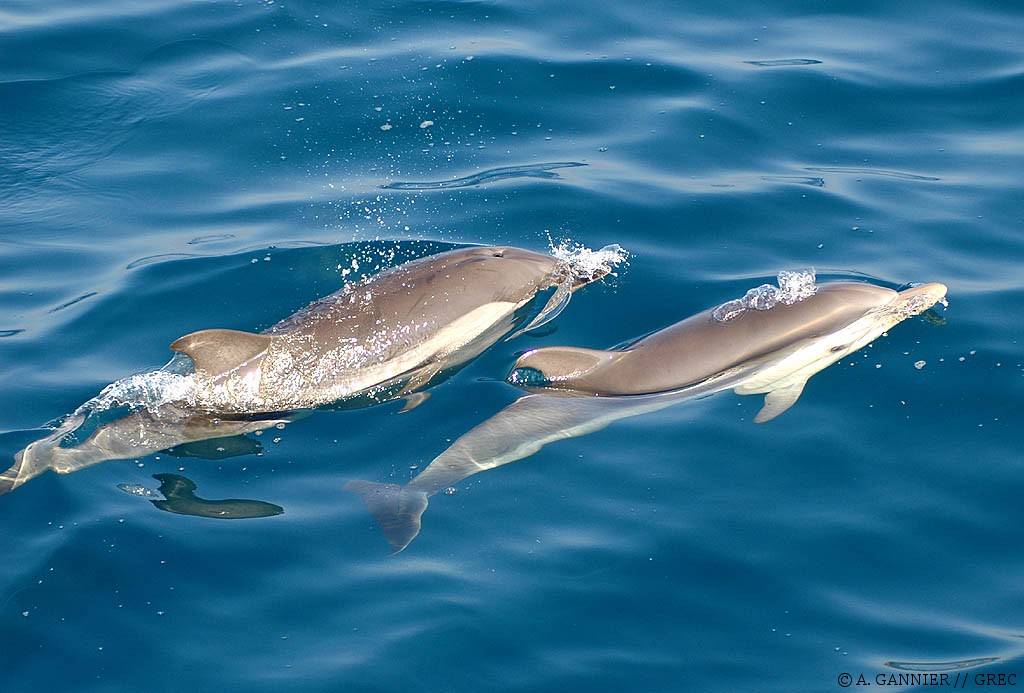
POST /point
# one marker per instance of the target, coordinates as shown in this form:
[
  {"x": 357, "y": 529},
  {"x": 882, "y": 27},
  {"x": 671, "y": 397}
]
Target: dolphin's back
[
  {"x": 424, "y": 294},
  {"x": 700, "y": 347},
  {"x": 399, "y": 329}
]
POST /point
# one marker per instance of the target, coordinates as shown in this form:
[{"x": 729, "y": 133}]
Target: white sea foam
[
  {"x": 150, "y": 390},
  {"x": 794, "y": 286},
  {"x": 586, "y": 263}
]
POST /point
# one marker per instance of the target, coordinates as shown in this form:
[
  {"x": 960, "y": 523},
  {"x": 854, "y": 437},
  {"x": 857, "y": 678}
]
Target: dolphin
[
  {"x": 137, "y": 434},
  {"x": 385, "y": 337},
  {"x": 390, "y": 335},
  {"x": 748, "y": 348},
  {"x": 518, "y": 431}
]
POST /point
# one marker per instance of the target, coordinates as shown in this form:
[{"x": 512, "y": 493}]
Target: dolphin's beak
[{"x": 920, "y": 298}]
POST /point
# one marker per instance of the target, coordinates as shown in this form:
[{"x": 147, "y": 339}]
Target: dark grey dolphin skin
[
  {"x": 180, "y": 498},
  {"x": 770, "y": 351},
  {"x": 514, "y": 433},
  {"x": 388, "y": 336},
  {"x": 137, "y": 434}
]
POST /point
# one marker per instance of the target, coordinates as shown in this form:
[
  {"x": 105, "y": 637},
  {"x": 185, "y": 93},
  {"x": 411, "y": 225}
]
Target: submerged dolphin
[
  {"x": 135, "y": 435},
  {"x": 514, "y": 433},
  {"x": 749, "y": 351},
  {"x": 388, "y": 336}
]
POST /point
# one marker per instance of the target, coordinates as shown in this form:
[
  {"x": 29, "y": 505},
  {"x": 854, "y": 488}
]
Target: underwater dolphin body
[
  {"x": 384, "y": 337},
  {"x": 135, "y": 435},
  {"x": 743, "y": 346},
  {"x": 514, "y": 433}
]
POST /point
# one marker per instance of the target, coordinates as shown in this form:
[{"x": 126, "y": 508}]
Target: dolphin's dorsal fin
[
  {"x": 562, "y": 364},
  {"x": 219, "y": 351},
  {"x": 778, "y": 401}
]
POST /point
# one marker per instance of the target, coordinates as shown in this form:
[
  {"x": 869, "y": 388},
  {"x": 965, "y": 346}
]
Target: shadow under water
[{"x": 180, "y": 498}]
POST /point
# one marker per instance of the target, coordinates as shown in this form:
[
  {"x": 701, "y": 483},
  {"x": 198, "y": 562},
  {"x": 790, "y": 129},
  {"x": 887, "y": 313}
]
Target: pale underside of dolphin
[
  {"x": 772, "y": 352},
  {"x": 516, "y": 432},
  {"x": 388, "y": 336}
]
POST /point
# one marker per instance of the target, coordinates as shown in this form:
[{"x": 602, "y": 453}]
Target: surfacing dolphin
[
  {"x": 737, "y": 346},
  {"x": 388, "y": 336},
  {"x": 518, "y": 431}
]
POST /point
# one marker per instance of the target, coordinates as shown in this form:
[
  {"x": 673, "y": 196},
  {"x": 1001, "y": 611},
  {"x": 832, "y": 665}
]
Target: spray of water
[
  {"x": 794, "y": 286},
  {"x": 587, "y": 264}
]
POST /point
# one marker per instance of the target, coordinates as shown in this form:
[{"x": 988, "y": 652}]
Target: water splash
[
  {"x": 794, "y": 286},
  {"x": 151, "y": 391},
  {"x": 587, "y": 264}
]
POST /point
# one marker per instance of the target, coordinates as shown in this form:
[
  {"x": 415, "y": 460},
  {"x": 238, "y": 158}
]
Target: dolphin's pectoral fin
[
  {"x": 414, "y": 400},
  {"x": 551, "y": 310},
  {"x": 778, "y": 401},
  {"x": 219, "y": 351},
  {"x": 396, "y": 509}
]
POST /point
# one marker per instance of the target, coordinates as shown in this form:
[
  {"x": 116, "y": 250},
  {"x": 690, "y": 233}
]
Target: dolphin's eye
[{"x": 837, "y": 348}]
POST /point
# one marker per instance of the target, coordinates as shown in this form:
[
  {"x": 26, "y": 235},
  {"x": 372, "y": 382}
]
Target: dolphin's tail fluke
[
  {"x": 38, "y": 456},
  {"x": 11, "y": 478},
  {"x": 396, "y": 509},
  {"x": 28, "y": 464}
]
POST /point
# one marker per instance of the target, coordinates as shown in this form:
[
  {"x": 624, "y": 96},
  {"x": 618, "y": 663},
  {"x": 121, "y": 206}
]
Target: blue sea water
[{"x": 171, "y": 166}]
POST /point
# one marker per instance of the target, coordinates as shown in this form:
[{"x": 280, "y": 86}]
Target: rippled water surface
[{"x": 172, "y": 166}]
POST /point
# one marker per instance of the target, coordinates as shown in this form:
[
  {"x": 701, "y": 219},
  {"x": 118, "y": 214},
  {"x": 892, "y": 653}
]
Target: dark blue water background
[{"x": 171, "y": 166}]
